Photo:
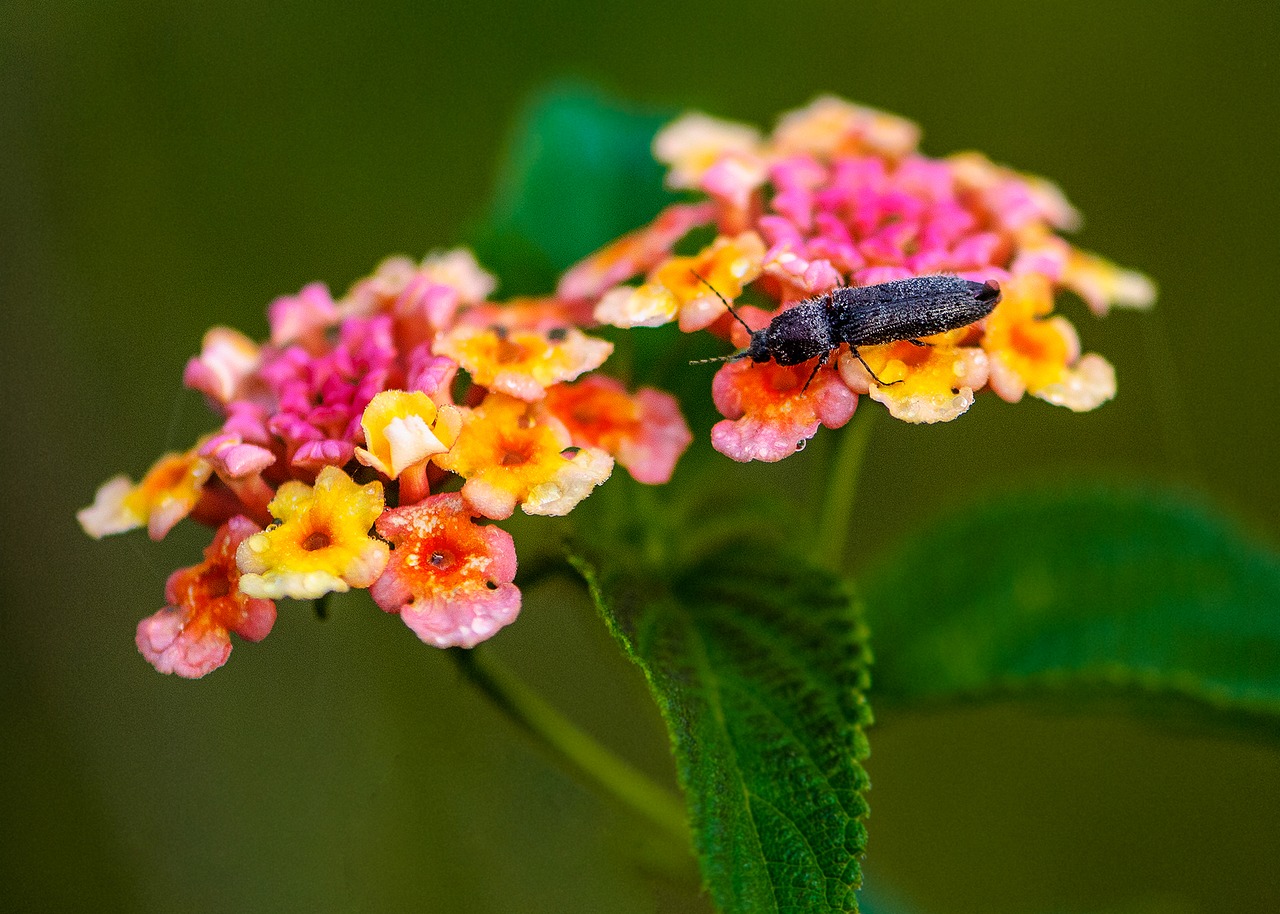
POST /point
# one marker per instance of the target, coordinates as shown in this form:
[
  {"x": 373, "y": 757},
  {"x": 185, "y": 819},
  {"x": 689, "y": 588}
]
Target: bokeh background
[{"x": 166, "y": 166}]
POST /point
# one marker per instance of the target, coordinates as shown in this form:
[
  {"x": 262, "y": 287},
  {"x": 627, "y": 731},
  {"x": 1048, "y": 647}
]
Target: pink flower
[
  {"x": 227, "y": 360},
  {"x": 302, "y": 318},
  {"x": 320, "y": 397},
  {"x": 449, "y": 578},
  {"x": 770, "y": 414},
  {"x": 839, "y": 195}
]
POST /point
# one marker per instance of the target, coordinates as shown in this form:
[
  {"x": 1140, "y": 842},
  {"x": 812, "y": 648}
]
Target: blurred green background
[{"x": 165, "y": 167}]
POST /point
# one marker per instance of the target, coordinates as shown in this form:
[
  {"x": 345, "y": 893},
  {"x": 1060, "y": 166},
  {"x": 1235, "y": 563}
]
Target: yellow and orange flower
[
  {"x": 523, "y": 363},
  {"x": 634, "y": 253},
  {"x": 511, "y": 453},
  {"x": 166, "y": 495},
  {"x": 322, "y": 543},
  {"x": 674, "y": 289},
  {"x": 930, "y": 383},
  {"x": 1033, "y": 351}
]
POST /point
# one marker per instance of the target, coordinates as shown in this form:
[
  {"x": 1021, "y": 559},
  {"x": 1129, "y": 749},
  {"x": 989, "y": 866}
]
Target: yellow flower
[
  {"x": 166, "y": 495},
  {"x": 509, "y": 453},
  {"x": 523, "y": 363},
  {"x": 1035, "y": 352},
  {"x": 931, "y": 383},
  {"x": 403, "y": 428},
  {"x": 321, "y": 544}
]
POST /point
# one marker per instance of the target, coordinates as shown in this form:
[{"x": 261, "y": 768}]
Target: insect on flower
[{"x": 904, "y": 309}]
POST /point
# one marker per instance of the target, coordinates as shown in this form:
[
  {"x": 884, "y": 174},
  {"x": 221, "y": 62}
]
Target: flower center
[
  {"x": 442, "y": 560},
  {"x": 784, "y": 380},
  {"x": 317, "y": 540},
  {"x": 1032, "y": 342},
  {"x": 517, "y": 454},
  {"x": 217, "y": 587},
  {"x": 509, "y": 352}
]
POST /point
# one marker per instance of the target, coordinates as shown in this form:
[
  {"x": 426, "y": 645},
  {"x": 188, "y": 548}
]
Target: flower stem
[
  {"x": 573, "y": 748},
  {"x": 413, "y": 484},
  {"x": 842, "y": 486}
]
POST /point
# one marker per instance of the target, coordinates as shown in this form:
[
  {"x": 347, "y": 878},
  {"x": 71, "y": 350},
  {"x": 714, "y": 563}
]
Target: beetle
[{"x": 904, "y": 309}]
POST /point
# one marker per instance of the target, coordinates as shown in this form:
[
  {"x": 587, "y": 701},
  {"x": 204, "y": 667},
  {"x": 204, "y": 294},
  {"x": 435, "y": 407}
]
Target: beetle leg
[
  {"x": 822, "y": 360},
  {"x": 858, "y": 355}
]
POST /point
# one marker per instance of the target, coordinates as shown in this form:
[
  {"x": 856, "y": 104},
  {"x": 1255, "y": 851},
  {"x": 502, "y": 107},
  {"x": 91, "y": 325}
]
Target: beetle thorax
[{"x": 796, "y": 335}]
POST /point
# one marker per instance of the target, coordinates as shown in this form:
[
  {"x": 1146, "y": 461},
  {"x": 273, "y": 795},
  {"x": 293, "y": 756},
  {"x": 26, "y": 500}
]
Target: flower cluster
[
  {"x": 345, "y": 460},
  {"x": 839, "y": 195},
  {"x": 373, "y": 440}
]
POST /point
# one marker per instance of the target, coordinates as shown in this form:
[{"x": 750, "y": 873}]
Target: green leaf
[
  {"x": 759, "y": 666},
  {"x": 578, "y": 174},
  {"x": 1092, "y": 587}
]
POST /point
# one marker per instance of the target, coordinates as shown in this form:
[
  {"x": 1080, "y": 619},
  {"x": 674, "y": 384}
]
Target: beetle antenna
[
  {"x": 732, "y": 357},
  {"x": 735, "y": 314}
]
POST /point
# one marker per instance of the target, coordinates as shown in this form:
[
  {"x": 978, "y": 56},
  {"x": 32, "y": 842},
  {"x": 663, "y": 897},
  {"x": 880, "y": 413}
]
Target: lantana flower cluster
[
  {"x": 839, "y": 195},
  {"x": 345, "y": 458},
  {"x": 374, "y": 441}
]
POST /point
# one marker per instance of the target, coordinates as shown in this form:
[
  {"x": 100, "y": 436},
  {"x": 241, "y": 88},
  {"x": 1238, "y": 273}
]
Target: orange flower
[
  {"x": 1033, "y": 352},
  {"x": 166, "y": 495},
  {"x": 509, "y": 453},
  {"x": 769, "y": 412},
  {"x": 645, "y": 432},
  {"x": 322, "y": 543},
  {"x": 190, "y": 636},
  {"x": 448, "y": 578}
]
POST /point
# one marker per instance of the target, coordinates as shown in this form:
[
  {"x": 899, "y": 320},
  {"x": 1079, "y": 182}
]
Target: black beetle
[{"x": 904, "y": 309}]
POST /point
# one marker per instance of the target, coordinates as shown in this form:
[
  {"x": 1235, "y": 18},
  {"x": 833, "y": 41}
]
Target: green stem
[
  {"x": 572, "y": 747},
  {"x": 842, "y": 486}
]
